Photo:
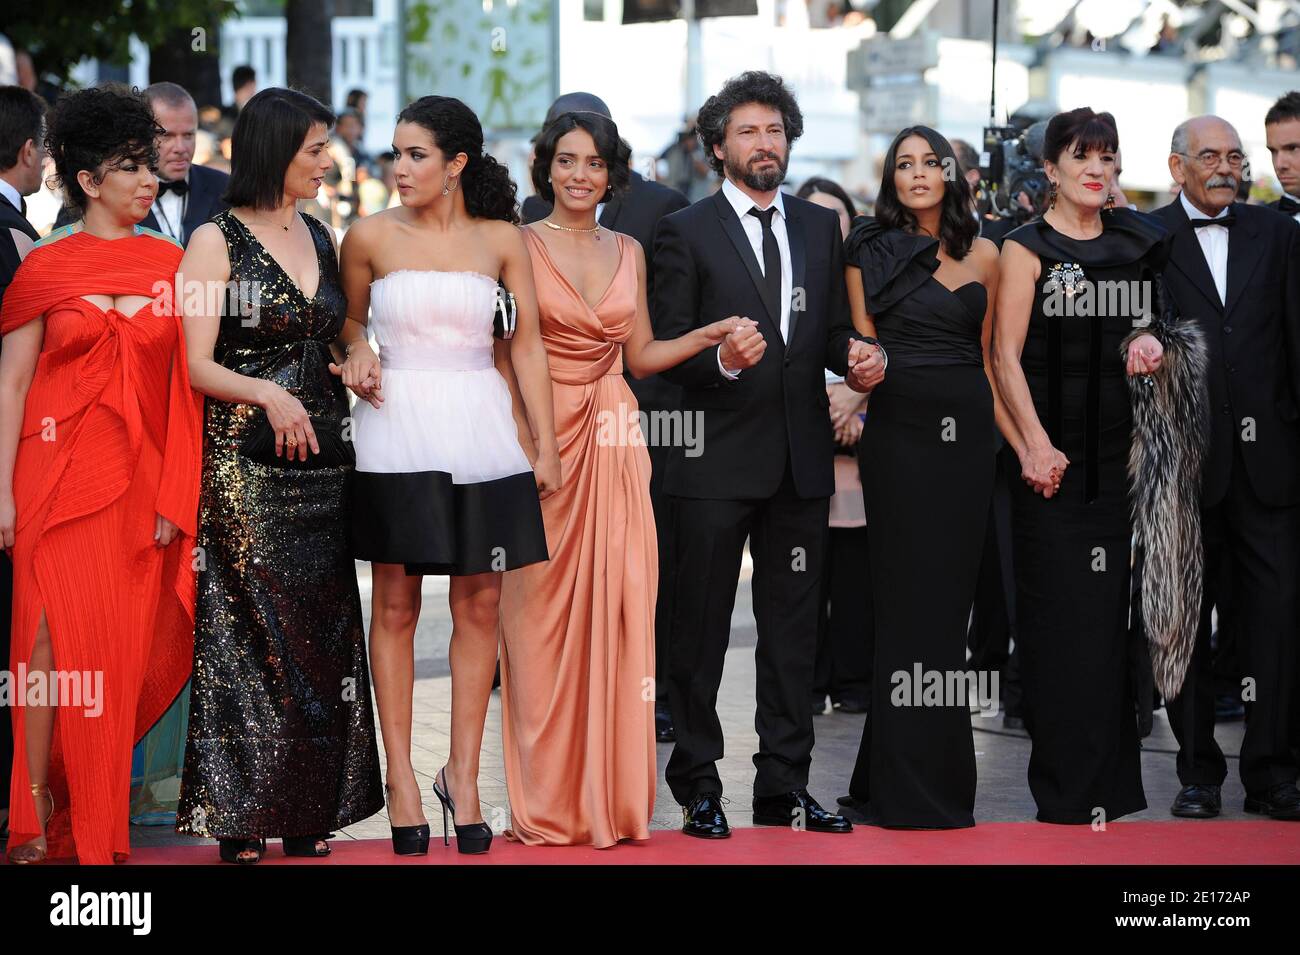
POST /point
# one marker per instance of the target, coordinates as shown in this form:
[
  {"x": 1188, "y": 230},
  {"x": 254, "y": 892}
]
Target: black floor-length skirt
[
  {"x": 927, "y": 459},
  {"x": 1072, "y": 567}
]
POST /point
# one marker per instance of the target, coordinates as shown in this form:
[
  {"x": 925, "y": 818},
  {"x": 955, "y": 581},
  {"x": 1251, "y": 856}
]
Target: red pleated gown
[{"x": 110, "y": 437}]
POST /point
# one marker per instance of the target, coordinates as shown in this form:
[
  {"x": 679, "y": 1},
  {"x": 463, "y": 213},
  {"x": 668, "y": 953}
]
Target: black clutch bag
[
  {"x": 335, "y": 450},
  {"x": 503, "y": 320}
]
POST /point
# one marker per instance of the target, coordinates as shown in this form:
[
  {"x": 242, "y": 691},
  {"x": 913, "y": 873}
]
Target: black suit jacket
[
  {"x": 206, "y": 189},
  {"x": 1254, "y": 346},
  {"x": 706, "y": 271},
  {"x": 11, "y": 220},
  {"x": 636, "y": 213}
]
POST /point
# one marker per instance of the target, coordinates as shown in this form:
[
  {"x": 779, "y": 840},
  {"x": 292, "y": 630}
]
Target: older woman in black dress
[
  {"x": 281, "y": 738},
  {"x": 921, "y": 282},
  {"x": 1061, "y": 363}
]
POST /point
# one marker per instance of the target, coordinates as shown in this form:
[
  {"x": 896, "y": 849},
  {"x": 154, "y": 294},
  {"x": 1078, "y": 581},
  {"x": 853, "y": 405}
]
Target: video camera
[{"x": 1011, "y": 163}]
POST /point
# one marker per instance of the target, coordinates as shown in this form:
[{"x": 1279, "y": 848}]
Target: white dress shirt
[
  {"x": 1214, "y": 243},
  {"x": 170, "y": 213},
  {"x": 742, "y": 203},
  {"x": 11, "y": 194}
]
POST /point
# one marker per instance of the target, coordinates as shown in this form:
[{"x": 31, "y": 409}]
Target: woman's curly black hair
[
  {"x": 958, "y": 227},
  {"x": 489, "y": 191},
  {"x": 754, "y": 86},
  {"x": 97, "y": 129},
  {"x": 615, "y": 151}
]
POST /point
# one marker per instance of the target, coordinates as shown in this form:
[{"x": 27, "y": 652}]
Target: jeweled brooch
[{"x": 1065, "y": 277}]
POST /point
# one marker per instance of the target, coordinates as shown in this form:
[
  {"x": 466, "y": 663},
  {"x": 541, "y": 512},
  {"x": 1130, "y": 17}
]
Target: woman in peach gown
[{"x": 577, "y": 654}]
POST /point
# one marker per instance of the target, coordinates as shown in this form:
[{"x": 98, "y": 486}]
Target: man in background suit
[
  {"x": 22, "y": 155},
  {"x": 188, "y": 195},
  {"x": 1282, "y": 134},
  {"x": 1234, "y": 270},
  {"x": 637, "y": 213},
  {"x": 763, "y": 470}
]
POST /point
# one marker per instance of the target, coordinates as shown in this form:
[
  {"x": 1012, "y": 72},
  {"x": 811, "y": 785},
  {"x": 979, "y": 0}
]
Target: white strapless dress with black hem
[{"x": 441, "y": 484}]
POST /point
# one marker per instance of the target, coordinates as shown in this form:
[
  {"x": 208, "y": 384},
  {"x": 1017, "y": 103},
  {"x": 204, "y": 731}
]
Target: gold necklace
[
  {"x": 276, "y": 224},
  {"x": 565, "y": 228}
]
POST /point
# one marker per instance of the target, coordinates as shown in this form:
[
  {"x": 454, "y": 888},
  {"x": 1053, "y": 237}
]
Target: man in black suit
[
  {"x": 764, "y": 468},
  {"x": 636, "y": 213},
  {"x": 1234, "y": 269},
  {"x": 1282, "y": 135},
  {"x": 22, "y": 154},
  {"x": 188, "y": 195}
]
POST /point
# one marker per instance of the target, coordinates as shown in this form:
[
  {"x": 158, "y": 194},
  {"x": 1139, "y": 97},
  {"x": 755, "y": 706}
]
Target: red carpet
[{"x": 992, "y": 843}]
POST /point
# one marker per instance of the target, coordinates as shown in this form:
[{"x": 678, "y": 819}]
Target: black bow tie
[
  {"x": 1227, "y": 221},
  {"x": 1288, "y": 205},
  {"x": 178, "y": 186}
]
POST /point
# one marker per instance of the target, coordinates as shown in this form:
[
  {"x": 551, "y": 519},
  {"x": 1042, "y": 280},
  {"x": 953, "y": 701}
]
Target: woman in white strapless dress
[{"x": 451, "y": 458}]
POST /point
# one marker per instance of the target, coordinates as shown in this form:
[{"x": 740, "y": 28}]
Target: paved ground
[{"x": 1001, "y": 756}]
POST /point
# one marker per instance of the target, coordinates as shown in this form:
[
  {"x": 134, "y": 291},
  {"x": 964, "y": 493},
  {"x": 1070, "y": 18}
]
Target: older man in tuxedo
[
  {"x": 637, "y": 213},
  {"x": 188, "y": 195},
  {"x": 1235, "y": 270},
  {"x": 764, "y": 469},
  {"x": 22, "y": 130}
]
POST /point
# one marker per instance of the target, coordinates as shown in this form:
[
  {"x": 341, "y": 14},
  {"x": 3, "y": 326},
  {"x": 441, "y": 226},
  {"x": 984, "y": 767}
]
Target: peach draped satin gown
[{"x": 577, "y": 631}]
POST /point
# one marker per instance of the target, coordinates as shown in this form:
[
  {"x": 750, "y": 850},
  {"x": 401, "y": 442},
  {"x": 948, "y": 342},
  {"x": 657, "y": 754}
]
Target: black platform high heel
[
  {"x": 470, "y": 840},
  {"x": 410, "y": 840}
]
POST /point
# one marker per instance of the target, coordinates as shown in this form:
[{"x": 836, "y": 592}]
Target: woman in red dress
[{"x": 99, "y": 476}]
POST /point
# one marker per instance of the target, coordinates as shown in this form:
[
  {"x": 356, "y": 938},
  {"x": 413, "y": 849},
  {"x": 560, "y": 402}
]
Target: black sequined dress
[{"x": 281, "y": 737}]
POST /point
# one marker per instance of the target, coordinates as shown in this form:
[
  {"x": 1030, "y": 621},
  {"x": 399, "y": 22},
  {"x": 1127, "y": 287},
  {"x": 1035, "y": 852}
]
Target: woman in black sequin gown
[
  {"x": 281, "y": 737},
  {"x": 921, "y": 282}
]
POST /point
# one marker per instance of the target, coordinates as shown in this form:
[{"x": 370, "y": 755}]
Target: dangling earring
[
  {"x": 454, "y": 185},
  {"x": 1052, "y": 195},
  {"x": 1110, "y": 201}
]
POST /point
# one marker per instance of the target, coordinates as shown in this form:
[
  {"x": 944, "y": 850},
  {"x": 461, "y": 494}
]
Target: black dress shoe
[
  {"x": 797, "y": 809},
  {"x": 703, "y": 817},
  {"x": 850, "y": 704},
  {"x": 1277, "y": 802},
  {"x": 1197, "y": 802},
  {"x": 664, "y": 726}
]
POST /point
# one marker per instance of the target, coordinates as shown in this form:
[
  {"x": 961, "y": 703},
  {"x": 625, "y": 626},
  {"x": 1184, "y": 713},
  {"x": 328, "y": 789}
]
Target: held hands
[
  {"x": 361, "y": 373},
  {"x": 866, "y": 366},
  {"x": 743, "y": 346},
  {"x": 716, "y": 332},
  {"x": 848, "y": 434},
  {"x": 845, "y": 404},
  {"x": 1145, "y": 354},
  {"x": 1042, "y": 469},
  {"x": 293, "y": 431}
]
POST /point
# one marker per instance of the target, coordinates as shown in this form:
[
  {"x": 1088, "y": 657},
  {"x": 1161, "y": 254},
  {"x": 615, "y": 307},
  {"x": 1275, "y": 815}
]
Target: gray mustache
[{"x": 1216, "y": 182}]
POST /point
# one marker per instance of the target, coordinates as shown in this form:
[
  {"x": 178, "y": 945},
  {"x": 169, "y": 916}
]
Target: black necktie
[
  {"x": 1288, "y": 205},
  {"x": 771, "y": 262},
  {"x": 22, "y": 206},
  {"x": 178, "y": 186},
  {"x": 1227, "y": 221}
]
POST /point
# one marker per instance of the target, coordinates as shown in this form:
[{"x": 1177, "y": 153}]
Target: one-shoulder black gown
[{"x": 927, "y": 462}]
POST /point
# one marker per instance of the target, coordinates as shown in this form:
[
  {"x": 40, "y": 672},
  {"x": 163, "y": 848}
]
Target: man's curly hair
[
  {"x": 96, "y": 129},
  {"x": 754, "y": 86}
]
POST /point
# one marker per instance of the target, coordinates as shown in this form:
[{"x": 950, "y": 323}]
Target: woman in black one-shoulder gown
[{"x": 921, "y": 283}]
